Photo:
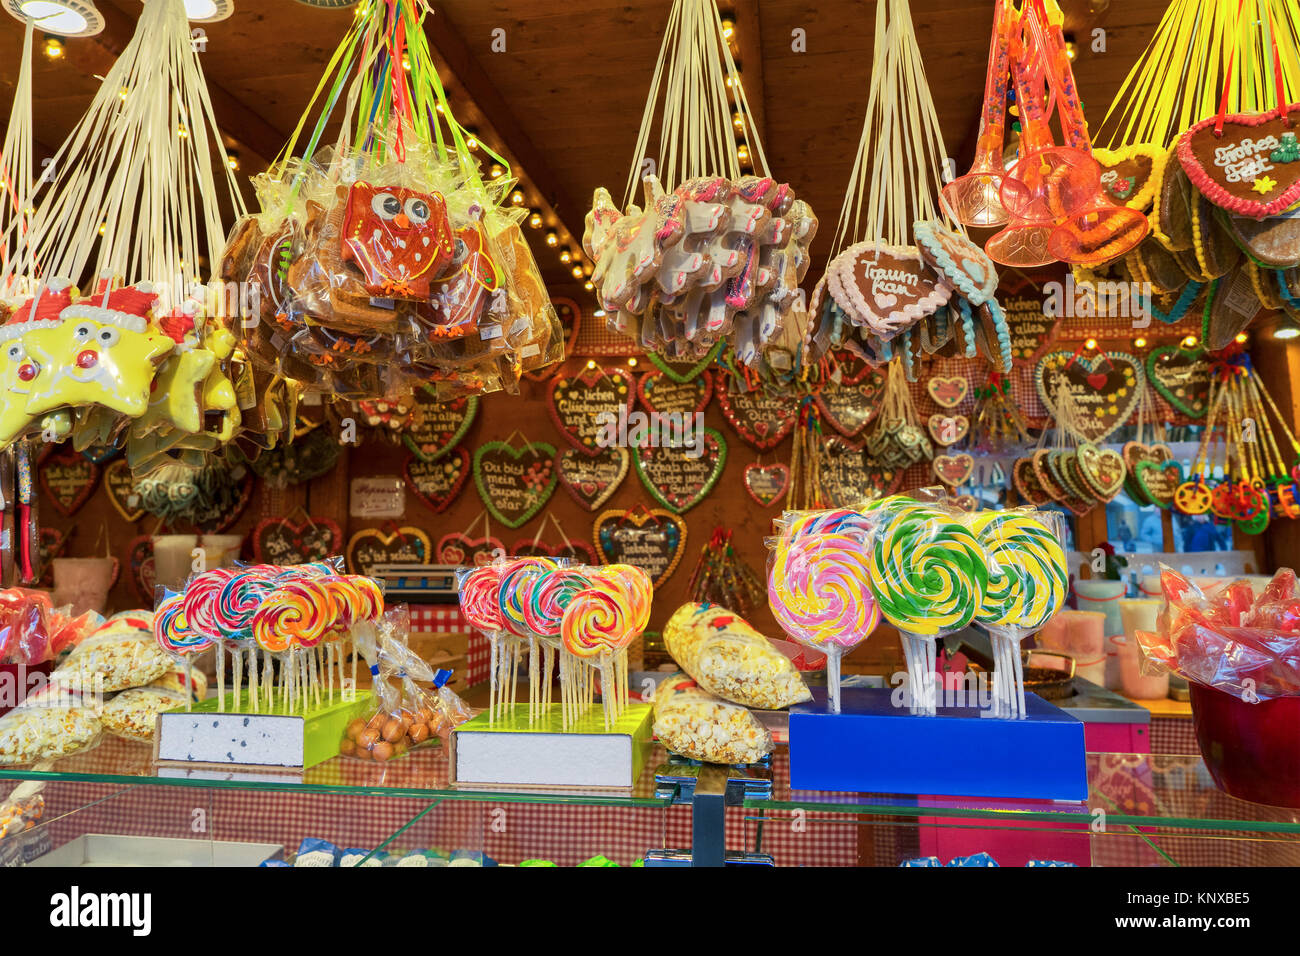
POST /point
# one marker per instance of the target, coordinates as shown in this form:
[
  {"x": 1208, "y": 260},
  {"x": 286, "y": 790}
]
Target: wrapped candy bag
[
  {"x": 115, "y": 657},
  {"x": 49, "y": 724},
  {"x": 692, "y": 722},
  {"x": 727, "y": 657},
  {"x": 25, "y": 618},
  {"x": 1225, "y": 637},
  {"x": 133, "y": 714}
]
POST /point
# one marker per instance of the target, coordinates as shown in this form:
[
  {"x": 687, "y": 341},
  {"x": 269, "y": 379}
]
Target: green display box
[{"x": 206, "y": 737}]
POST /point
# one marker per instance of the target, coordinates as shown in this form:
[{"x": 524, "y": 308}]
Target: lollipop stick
[
  {"x": 237, "y": 666},
  {"x": 533, "y": 685},
  {"x": 1020, "y": 678},
  {"x": 221, "y": 677},
  {"x": 833, "y": 679},
  {"x": 492, "y": 697}
]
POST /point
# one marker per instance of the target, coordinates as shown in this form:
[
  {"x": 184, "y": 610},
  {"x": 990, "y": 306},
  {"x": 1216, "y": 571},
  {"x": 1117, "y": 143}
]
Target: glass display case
[{"x": 113, "y": 805}]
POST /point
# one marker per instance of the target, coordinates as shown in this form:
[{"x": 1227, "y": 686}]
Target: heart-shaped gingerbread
[
  {"x": 680, "y": 477},
  {"x": 1027, "y": 484},
  {"x": 514, "y": 483},
  {"x": 1160, "y": 481},
  {"x": 438, "y": 426},
  {"x": 140, "y": 567},
  {"x": 282, "y": 542},
  {"x": 591, "y": 480},
  {"x": 1248, "y": 164},
  {"x": 849, "y": 409},
  {"x": 437, "y": 483},
  {"x": 849, "y": 478},
  {"x": 667, "y": 396},
  {"x": 1102, "y": 470},
  {"x": 948, "y": 429},
  {"x": 69, "y": 479},
  {"x": 460, "y": 549},
  {"x": 761, "y": 418},
  {"x": 586, "y": 406},
  {"x": 767, "y": 484},
  {"x": 953, "y": 470},
  {"x": 652, "y": 539},
  {"x": 947, "y": 392},
  {"x": 1129, "y": 174},
  {"x": 1182, "y": 377},
  {"x": 371, "y": 547},
  {"x": 1105, "y": 386},
  {"x": 687, "y": 373},
  {"x": 121, "y": 490}
]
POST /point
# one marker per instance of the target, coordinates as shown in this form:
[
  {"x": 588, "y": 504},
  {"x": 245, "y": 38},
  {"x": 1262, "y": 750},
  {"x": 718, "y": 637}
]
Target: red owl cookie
[{"x": 400, "y": 239}]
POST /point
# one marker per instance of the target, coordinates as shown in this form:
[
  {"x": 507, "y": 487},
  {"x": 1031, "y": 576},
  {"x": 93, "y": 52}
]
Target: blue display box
[{"x": 875, "y": 747}]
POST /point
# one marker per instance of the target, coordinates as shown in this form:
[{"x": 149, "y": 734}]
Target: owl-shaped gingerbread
[{"x": 400, "y": 239}]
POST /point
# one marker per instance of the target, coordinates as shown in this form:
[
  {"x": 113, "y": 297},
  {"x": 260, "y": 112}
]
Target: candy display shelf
[{"x": 1142, "y": 810}]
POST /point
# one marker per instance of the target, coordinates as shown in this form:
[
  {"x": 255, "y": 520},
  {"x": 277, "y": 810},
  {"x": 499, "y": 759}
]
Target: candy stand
[{"x": 649, "y": 434}]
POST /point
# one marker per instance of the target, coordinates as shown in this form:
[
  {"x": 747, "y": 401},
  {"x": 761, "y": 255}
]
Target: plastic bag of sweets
[
  {"x": 692, "y": 722},
  {"x": 112, "y": 659},
  {"x": 133, "y": 713},
  {"x": 51, "y": 723},
  {"x": 727, "y": 657},
  {"x": 24, "y": 626}
]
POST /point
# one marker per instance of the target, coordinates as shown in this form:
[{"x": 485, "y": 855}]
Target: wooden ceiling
[{"x": 564, "y": 100}]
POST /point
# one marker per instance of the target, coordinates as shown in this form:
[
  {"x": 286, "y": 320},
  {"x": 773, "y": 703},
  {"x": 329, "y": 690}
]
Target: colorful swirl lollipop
[
  {"x": 928, "y": 571},
  {"x": 298, "y": 613},
  {"x": 512, "y": 597},
  {"x": 549, "y": 594},
  {"x": 172, "y": 630},
  {"x": 202, "y": 595},
  {"x": 599, "y": 619},
  {"x": 1028, "y": 572},
  {"x": 819, "y": 590},
  {"x": 832, "y": 521},
  {"x": 478, "y": 598},
  {"x": 241, "y": 596}
]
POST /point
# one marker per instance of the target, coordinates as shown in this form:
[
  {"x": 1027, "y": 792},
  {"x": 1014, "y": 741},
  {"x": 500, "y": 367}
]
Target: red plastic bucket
[{"x": 1251, "y": 750}]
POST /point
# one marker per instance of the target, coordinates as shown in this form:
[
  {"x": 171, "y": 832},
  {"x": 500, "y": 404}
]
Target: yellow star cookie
[{"x": 174, "y": 397}]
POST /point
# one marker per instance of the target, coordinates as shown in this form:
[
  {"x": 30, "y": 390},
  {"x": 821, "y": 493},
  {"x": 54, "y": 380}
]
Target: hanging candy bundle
[
  {"x": 385, "y": 261},
  {"x": 714, "y": 255},
  {"x": 1203, "y": 140},
  {"x": 117, "y": 339},
  {"x": 904, "y": 279}
]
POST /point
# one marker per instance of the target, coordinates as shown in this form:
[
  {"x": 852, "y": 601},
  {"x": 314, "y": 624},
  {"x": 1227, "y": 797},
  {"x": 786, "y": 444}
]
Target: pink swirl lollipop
[
  {"x": 298, "y": 613},
  {"x": 241, "y": 596},
  {"x": 171, "y": 629},
  {"x": 819, "y": 590},
  {"x": 478, "y": 598},
  {"x": 549, "y": 593},
  {"x": 201, "y": 599}
]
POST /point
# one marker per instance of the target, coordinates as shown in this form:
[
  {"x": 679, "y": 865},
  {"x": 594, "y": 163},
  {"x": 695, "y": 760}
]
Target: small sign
[{"x": 383, "y": 496}]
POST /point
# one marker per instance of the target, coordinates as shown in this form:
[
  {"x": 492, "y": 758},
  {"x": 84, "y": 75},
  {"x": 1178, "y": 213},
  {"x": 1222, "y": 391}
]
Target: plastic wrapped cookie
[
  {"x": 692, "y": 722},
  {"x": 133, "y": 713},
  {"x": 727, "y": 657}
]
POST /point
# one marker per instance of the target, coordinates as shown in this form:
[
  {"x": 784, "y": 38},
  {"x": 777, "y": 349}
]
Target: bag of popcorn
[
  {"x": 727, "y": 657},
  {"x": 692, "y": 722}
]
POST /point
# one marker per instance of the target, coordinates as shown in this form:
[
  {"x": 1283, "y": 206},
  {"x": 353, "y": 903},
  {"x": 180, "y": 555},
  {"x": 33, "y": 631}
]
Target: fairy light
[
  {"x": 471, "y": 139},
  {"x": 552, "y": 239},
  {"x": 577, "y": 272},
  {"x": 742, "y": 153},
  {"x": 728, "y": 29},
  {"x": 103, "y": 228},
  {"x": 632, "y": 362},
  {"x": 566, "y": 257},
  {"x": 1090, "y": 345},
  {"x": 591, "y": 363},
  {"x": 738, "y": 122},
  {"x": 1140, "y": 343},
  {"x": 53, "y": 48},
  {"x": 535, "y": 219},
  {"x": 232, "y": 161},
  {"x": 497, "y": 171},
  {"x": 1286, "y": 332},
  {"x": 1189, "y": 342},
  {"x": 183, "y": 131},
  {"x": 516, "y": 198},
  {"x": 589, "y": 285},
  {"x": 1241, "y": 338}
]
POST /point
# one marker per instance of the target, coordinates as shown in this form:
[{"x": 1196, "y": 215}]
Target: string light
[
  {"x": 632, "y": 362},
  {"x": 1189, "y": 342},
  {"x": 53, "y": 48},
  {"x": 1241, "y": 338},
  {"x": 742, "y": 153},
  {"x": 589, "y": 285},
  {"x": 577, "y": 272},
  {"x": 1071, "y": 51},
  {"x": 183, "y": 131},
  {"x": 517, "y": 198},
  {"x": 497, "y": 171},
  {"x": 566, "y": 257},
  {"x": 728, "y": 29},
  {"x": 1288, "y": 331},
  {"x": 1140, "y": 343},
  {"x": 552, "y": 239},
  {"x": 535, "y": 219},
  {"x": 738, "y": 122},
  {"x": 1090, "y": 345},
  {"x": 591, "y": 363},
  {"x": 471, "y": 139},
  {"x": 232, "y": 161},
  {"x": 103, "y": 228}
]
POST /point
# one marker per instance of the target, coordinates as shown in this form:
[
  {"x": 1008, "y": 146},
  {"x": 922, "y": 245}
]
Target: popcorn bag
[
  {"x": 727, "y": 657},
  {"x": 692, "y": 722}
]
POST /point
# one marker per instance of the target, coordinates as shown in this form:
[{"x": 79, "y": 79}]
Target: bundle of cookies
[
  {"x": 714, "y": 259},
  {"x": 1221, "y": 193},
  {"x": 715, "y": 254},
  {"x": 385, "y": 261},
  {"x": 913, "y": 283}
]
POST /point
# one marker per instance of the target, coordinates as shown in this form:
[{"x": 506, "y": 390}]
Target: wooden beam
[
  {"x": 450, "y": 48},
  {"x": 234, "y": 118}
]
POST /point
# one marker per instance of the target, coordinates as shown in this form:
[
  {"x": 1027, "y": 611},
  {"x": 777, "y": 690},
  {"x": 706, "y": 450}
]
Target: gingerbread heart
[
  {"x": 121, "y": 491},
  {"x": 679, "y": 373},
  {"x": 438, "y": 426},
  {"x": 652, "y": 539},
  {"x": 1106, "y": 388},
  {"x": 947, "y": 392},
  {"x": 140, "y": 567},
  {"x": 761, "y": 418},
  {"x": 849, "y": 409},
  {"x": 679, "y": 477},
  {"x": 953, "y": 470},
  {"x": 69, "y": 479},
  {"x": 1248, "y": 164},
  {"x": 514, "y": 483},
  {"x": 1102, "y": 470},
  {"x": 282, "y": 542},
  {"x": 885, "y": 288},
  {"x": 948, "y": 429},
  {"x": 591, "y": 480},
  {"x": 1129, "y": 175},
  {"x": 51, "y": 542},
  {"x": 1028, "y": 324},
  {"x": 767, "y": 483},
  {"x": 1027, "y": 484},
  {"x": 585, "y": 405},
  {"x": 1182, "y": 377},
  {"x": 460, "y": 549},
  {"x": 1134, "y": 453},
  {"x": 219, "y": 513},
  {"x": 371, "y": 547},
  {"x": 437, "y": 483},
  {"x": 667, "y": 396},
  {"x": 850, "y": 479},
  {"x": 1160, "y": 481}
]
